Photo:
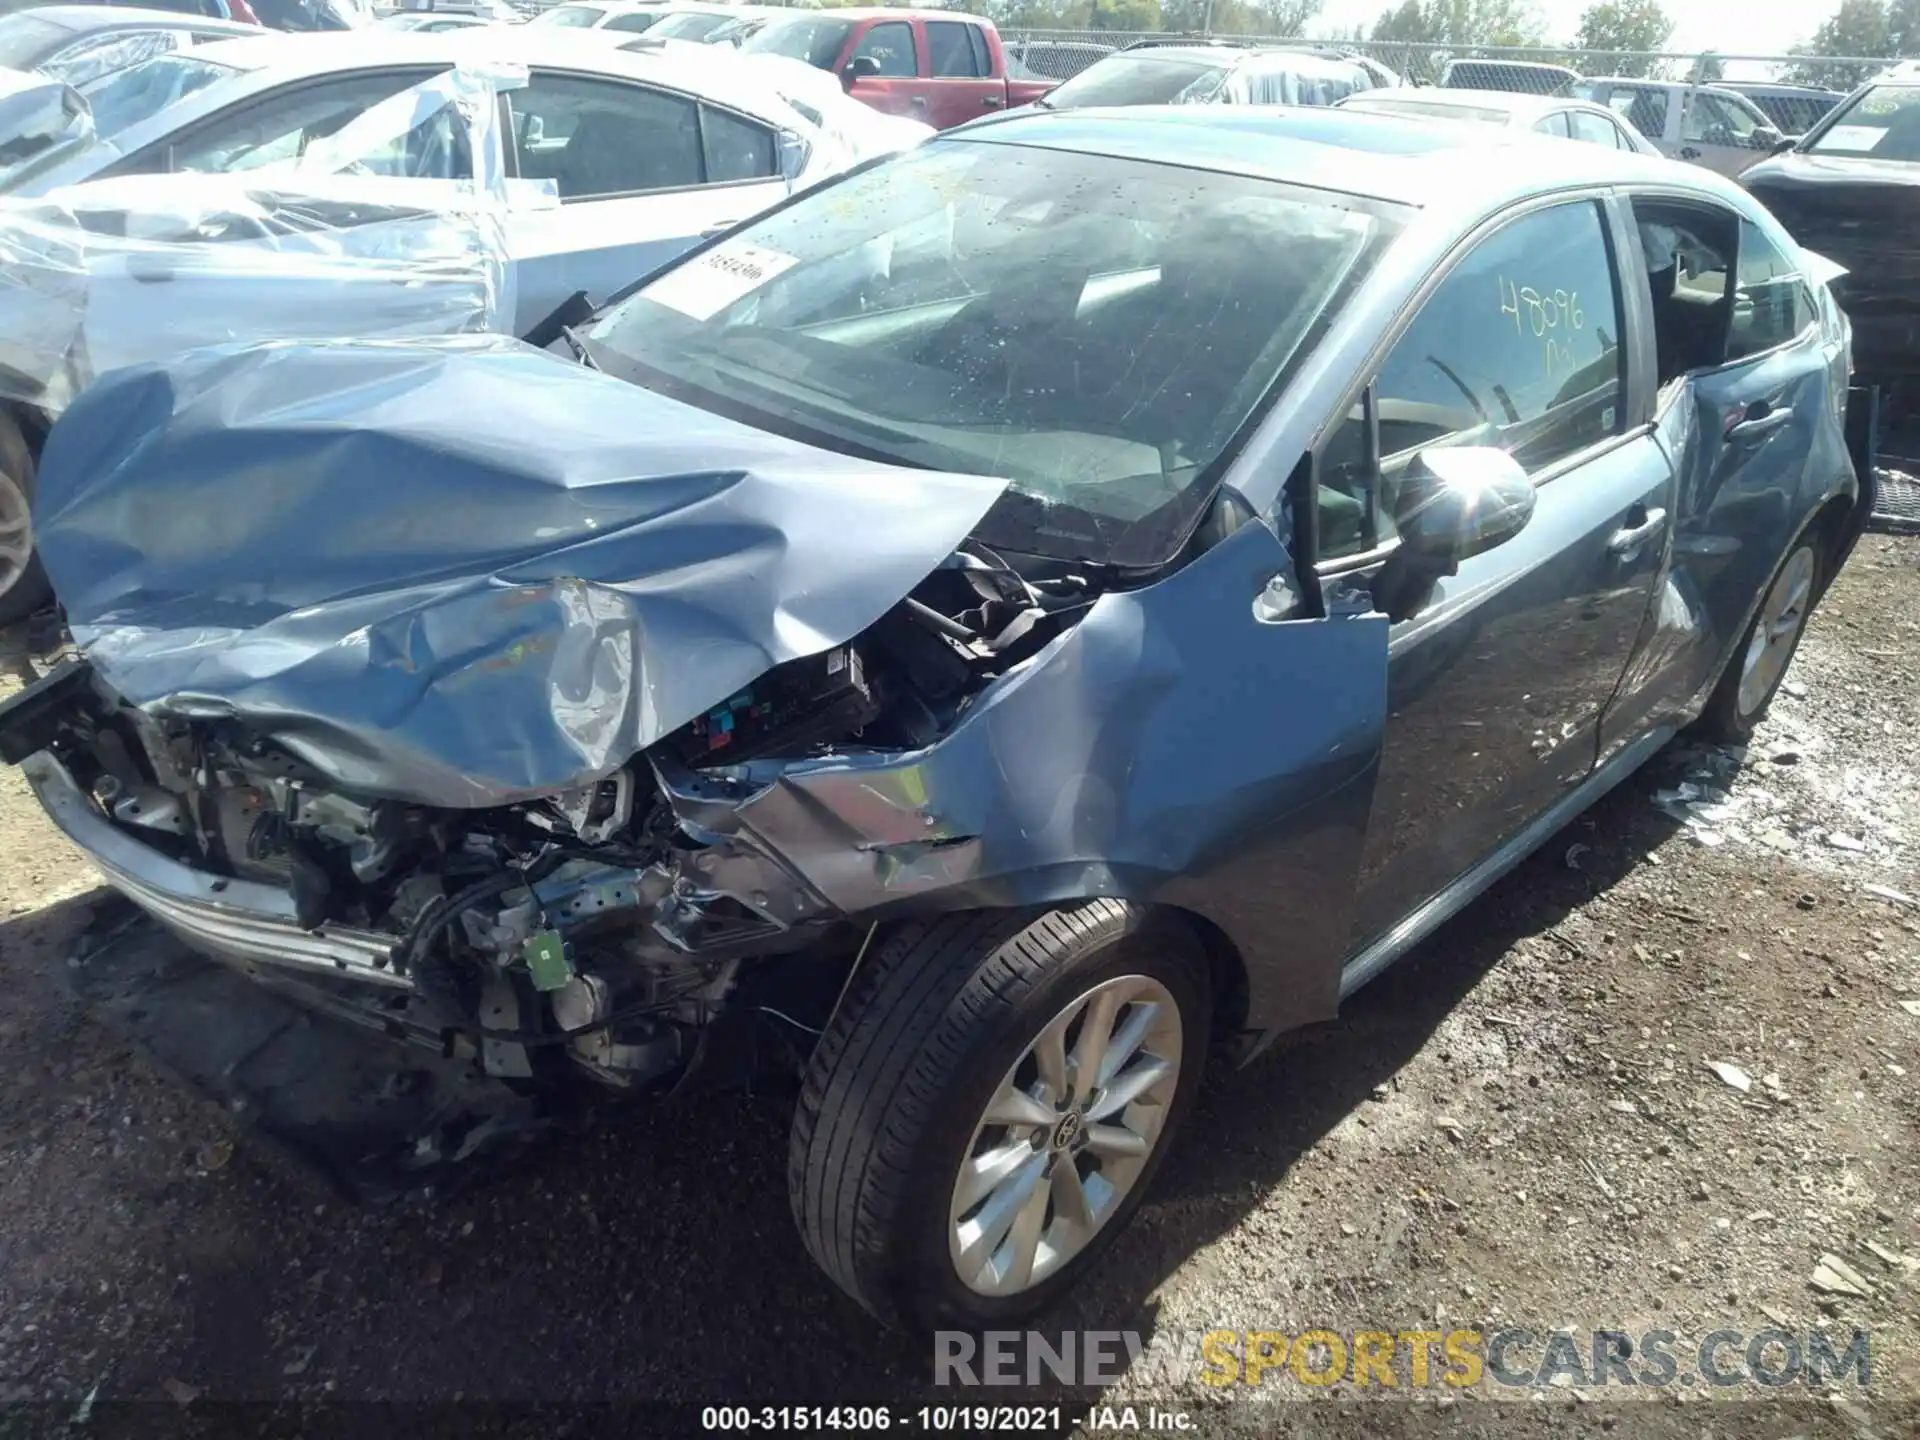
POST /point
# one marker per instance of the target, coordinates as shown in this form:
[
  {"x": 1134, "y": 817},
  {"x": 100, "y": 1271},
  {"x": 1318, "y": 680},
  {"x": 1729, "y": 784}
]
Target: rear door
[
  {"x": 1648, "y": 108},
  {"x": 897, "y": 86},
  {"x": 1754, "y": 436},
  {"x": 961, "y": 84},
  {"x": 641, "y": 173},
  {"x": 1497, "y": 686}
]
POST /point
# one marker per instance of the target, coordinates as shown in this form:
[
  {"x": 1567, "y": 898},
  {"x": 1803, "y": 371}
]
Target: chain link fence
[{"x": 1768, "y": 80}]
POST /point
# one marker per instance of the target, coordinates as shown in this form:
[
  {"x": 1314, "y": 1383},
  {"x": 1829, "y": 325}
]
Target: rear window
[
  {"x": 1883, "y": 124},
  {"x": 25, "y": 38},
  {"x": 818, "y": 42},
  {"x": 1141, "y": 79},
  {"x": 569, "y": 17}
]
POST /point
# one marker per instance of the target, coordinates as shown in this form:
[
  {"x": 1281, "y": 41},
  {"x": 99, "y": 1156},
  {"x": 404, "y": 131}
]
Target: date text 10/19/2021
[{"x": 943, "y": 1419}]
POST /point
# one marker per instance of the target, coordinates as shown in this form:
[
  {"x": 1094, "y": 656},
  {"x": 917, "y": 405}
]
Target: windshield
[
  {"x": 1095, "y": 330},
  {"x": 818, "y": 42},
  {"x": 1883, "y": 123},
  {"x": 569, "y": 17},
  {"x": 1415, "y": 107},
  {"x": 689, "y": 25},
  {"x": 142, "y": 91},
  {"x": 25, "y": 38},
  {"x": 1140, "y": 79}
]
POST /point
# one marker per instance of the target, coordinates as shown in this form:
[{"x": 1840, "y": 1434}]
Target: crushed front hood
[{"x": 459, "y": 572}]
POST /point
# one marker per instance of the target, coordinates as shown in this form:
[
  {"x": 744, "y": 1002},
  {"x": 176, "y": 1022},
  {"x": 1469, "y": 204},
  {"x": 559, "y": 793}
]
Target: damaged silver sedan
[{"x": 996, "y": 626}]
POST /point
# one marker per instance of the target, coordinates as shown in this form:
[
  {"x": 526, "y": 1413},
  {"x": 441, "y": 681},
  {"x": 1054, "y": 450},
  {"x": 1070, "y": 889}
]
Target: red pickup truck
[{"x": 932, "y": 65}]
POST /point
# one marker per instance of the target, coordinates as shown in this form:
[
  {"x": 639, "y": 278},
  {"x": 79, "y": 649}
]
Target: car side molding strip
[{"x": 1469, "y": 887}]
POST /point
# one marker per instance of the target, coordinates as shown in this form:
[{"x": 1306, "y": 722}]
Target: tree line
[{"x": 1874, "y": 29}]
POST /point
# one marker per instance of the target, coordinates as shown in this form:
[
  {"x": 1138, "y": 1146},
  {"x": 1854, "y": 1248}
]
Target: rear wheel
[
  {"x": 23, "y": 584},
  {"x": 1760, "y": 663},
  {"x": 990, "y": 1105}
]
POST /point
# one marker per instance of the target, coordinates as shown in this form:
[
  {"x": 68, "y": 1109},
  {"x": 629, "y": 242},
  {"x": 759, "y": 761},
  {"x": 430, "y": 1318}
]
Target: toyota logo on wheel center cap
[{"x": 1067, "y": 1131}]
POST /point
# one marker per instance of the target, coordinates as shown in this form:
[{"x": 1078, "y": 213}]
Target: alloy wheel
[
  {"x": 16, "y": 535},
  {"x": 1776, "y": 630},
  {"x": 1066, "y": 1136}
]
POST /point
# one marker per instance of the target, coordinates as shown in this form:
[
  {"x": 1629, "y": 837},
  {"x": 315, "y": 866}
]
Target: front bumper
[{"x": 235, "y": 920}]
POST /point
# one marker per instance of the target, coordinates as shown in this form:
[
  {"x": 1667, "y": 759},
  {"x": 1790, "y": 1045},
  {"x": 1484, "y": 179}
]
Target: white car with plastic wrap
[{"x": 328, "y": 186}]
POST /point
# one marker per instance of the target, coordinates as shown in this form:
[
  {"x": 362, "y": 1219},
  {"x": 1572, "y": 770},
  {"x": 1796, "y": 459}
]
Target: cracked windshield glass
[{"x": 1096, "y": 330}]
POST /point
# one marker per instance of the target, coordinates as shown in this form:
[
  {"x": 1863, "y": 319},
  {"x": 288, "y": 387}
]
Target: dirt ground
[{"x": 1517, "y": 1126}]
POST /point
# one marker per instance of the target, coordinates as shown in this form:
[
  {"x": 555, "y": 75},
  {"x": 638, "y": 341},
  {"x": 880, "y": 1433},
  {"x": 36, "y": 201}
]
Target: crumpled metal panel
[
  {"x": 353, "y": 237},
  {"x": 461, "y": 572},
  {"x": 1175, "y": 746}
]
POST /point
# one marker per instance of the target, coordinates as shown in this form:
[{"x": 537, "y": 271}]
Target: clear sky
[{"x": 1733, "y": 27}]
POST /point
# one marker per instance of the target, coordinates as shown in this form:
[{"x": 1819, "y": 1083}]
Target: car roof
[
  {"x": 126, "y": 17},
  {"x": 1499, "y": 62},
  {"x": 1380, "y": 157},
  {"x": 876, "y": 12},
  {"x": 282, "y": 57},
  {"x": 1512, "y": 102}
]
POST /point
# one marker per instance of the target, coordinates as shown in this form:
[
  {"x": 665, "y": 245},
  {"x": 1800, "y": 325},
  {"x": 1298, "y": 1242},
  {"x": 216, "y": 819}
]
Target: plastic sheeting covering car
[
  {"x": 365, "y": 235},
  {"x": 479, "y": 573},
  {"x": 38, "y": 115}
]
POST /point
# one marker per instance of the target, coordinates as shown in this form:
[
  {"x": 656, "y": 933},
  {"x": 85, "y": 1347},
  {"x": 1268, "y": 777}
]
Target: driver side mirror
[
  {"x": 861, "y": 67},
  {"x": 1460, "y": 501},
  {"x": 1781, "y": 144},
  {"x": 1766, "y": 138}
]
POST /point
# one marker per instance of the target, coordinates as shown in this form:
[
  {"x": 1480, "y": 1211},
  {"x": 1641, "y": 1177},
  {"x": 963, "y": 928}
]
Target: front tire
[
  {"x": 23, "y": 584},
  {"x": 990, "y": 1104}
]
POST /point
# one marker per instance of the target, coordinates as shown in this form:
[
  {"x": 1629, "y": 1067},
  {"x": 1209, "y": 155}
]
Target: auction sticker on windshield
[
  {"x": 1853, "y": 137},
  {"x": 708, "y": 283}
]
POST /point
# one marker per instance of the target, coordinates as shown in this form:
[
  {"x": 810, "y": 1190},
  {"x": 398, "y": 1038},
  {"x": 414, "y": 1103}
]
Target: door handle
[
  {"x": 993, "y": 102},
  {"x": 1630, "y": 538},
  {"x": 1687, "y": 152},
  {"x": 918, "y": 102},
  {"x": 1759, "y": 424}
]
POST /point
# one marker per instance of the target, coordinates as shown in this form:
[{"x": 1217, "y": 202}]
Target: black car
[{"x": 1847, "y": 190}]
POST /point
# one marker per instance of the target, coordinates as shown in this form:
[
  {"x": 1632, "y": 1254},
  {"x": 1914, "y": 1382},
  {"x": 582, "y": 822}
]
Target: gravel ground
[{"x": 1517, "y": 1126}]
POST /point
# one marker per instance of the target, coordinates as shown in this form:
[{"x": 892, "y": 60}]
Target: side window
[
  {"x": 601, "y": 137},
  {"x": 98, "y": 55},
  {"x": 950, "y": 49},
  {"x": 1644, "y": 107},
  {"x": 1517, "y": 347},
  {"x": 632, "y": 24},
  {"x": 281, "y": 127},
  {"x": 735, "y": 148},
  {"x": 1594, "y": 129},
  {"x": 1770, "y": 303},
  {"x": 1714, "y": 120},
  {"x": 890, "y": 45},
  {"x": 1554, "y": 124},
  {"x": 977, "y": 42},
  {"x": 1623, "y": 141},
  {"x": 1686, "y": 249}
]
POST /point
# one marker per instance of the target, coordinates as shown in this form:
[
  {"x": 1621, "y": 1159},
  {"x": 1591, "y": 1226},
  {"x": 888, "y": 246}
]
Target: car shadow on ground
[{"x": 657, "y": 1255}]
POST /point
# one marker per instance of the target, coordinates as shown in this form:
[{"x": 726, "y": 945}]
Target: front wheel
[
  {"x": 23, "y": 584},
  {"x": 990, "y": 1105}
]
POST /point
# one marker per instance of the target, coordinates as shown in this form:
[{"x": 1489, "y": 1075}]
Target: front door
[
  {"x": 1723, "y": 132},
  {"x": 894, "y": 85},
  {"x": 1496, "y": 687}
]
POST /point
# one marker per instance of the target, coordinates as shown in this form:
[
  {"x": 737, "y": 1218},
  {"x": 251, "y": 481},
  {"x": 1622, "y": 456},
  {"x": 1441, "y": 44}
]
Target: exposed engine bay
[{"x": 598, "y": 929}]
